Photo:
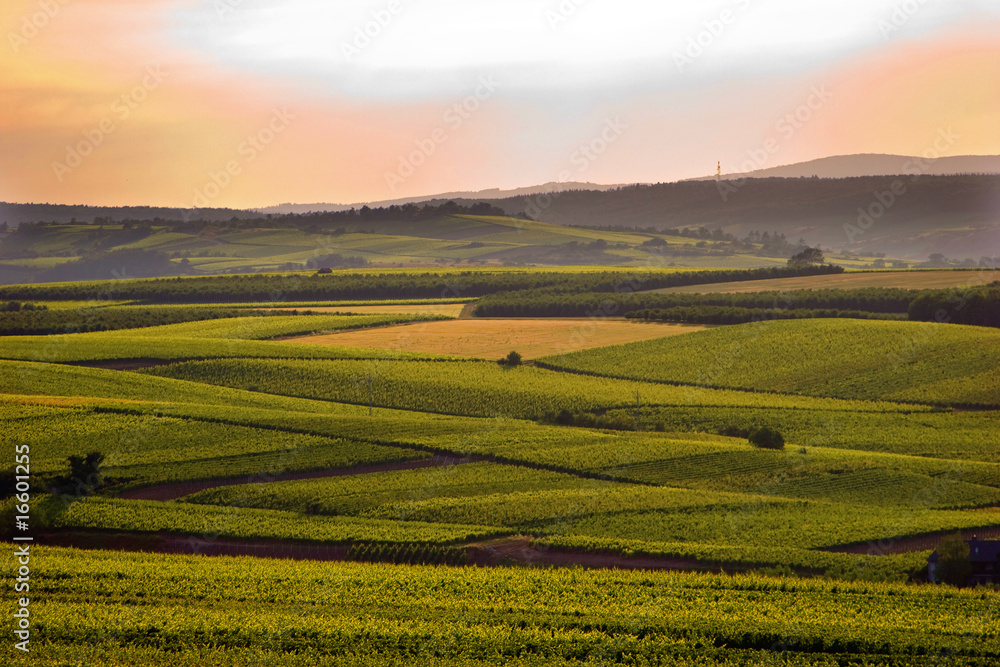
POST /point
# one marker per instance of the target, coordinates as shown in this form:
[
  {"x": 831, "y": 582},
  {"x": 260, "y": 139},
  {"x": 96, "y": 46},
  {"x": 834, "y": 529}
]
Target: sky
[{"x": 245, "y": 103}]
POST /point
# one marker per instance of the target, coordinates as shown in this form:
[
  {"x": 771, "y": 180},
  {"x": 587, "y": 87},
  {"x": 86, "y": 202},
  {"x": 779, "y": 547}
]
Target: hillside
[
  {"x": 908, "y": 217},
  {"x": 490, "y": 193},
  {"x": 859, "y": 359},
  {"x": 953, "y": 215},
  {"x": 874, "y": 164},
  {"x": 464, "y": 488},
  {"x": 443, "y": 235}
]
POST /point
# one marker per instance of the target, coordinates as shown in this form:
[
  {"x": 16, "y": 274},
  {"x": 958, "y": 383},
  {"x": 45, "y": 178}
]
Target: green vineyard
[
  {"x": 871, "y": 360},
  {"x": 605, "y": 506},
  {"x": 363, "y": 614}
]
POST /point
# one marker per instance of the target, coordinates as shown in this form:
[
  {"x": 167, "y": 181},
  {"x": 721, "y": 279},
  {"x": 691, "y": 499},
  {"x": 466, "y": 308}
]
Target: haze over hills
[
  {"x": 907, "y": 207},
  {"x": 904, "y": 216},
  {"x": 490, "y": 193},
  {"x": 837, "y": 166},
  {"x": 873, "y": 164}
]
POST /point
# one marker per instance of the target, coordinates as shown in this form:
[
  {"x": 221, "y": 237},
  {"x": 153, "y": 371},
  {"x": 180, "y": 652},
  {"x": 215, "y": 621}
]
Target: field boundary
[
  {"x": 512, "y": 551},
  {"x": 491, "y": 458},
  {"x": 175, "y": 490},
  {"x": 750, "y": 390}
]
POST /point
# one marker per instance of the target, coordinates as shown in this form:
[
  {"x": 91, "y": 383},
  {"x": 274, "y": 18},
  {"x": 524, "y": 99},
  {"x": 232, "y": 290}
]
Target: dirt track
[
  {"x": 910, "y": 544},
  {"x": 519, "y": 550},
  {"x": 503, "y": 551}
]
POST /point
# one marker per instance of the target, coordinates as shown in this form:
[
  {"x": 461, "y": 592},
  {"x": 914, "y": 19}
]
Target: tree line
[
  {"x": 381, "y": 285},
  {"x": 729, "y": 315},
  {"x": 551, "y": 303},
  {"x": 40, "y": 321},
  {"x": 976, "y": 305}
]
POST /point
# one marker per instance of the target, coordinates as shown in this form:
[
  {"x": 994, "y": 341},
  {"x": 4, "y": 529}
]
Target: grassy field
[
  {"x": 906, "y": 279},
  {"x": 386, "y": 443},
  {"x": 492, "y": 339}
]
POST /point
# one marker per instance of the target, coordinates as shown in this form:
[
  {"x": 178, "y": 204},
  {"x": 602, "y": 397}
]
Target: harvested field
[
  {"x": 929, "y": 279},
  {"x": 494, "y": 338}
]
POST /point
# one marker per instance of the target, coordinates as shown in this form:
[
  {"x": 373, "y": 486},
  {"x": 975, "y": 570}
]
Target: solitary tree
[
  {"x": 806, "y": 257},
  {"x": 511, "y": 360},
  {"x": 85, "y": 474},
  {"x": 953, "y": 565}
]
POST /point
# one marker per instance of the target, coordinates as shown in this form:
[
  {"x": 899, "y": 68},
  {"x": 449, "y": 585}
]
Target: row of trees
[
  {"x": 974, "y": 305},
  {"x": 350, "y": 219},
  {"x": 722, "y": 315},
  {"x": 375, "y": 285},
  {"x": 80, "y": 320},
  {"x": 552, "y": 303}
]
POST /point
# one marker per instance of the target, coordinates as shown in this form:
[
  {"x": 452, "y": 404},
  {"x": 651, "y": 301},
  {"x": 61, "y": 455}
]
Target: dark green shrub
[{"x": 766, "y": 437}]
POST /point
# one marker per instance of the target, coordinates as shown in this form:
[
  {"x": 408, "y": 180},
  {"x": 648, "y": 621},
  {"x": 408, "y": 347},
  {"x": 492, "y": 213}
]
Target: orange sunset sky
[{"x": 246, "y": 103}]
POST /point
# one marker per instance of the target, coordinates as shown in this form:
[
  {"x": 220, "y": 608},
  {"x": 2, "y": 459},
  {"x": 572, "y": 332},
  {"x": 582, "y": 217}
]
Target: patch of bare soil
[
  {"x": 504, "y": 551},
  {"x": 903, "y": 545},
  {"x": 519, "y": 550}
]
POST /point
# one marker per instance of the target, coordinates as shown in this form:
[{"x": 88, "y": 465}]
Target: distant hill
[
  {"x": 906, "y": 216},
  {"x": 874, "y": 164},
  {"x": 950, "y": 205},
  {"x": 958, "y": 216},
  {"x": 399, "y": 236},
  {"x": 491, "y": 193}
]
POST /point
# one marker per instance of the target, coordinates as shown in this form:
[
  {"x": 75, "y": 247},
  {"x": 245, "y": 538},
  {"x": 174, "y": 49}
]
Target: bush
[
  {"x": 511, "y": 360},
  {"x": 766, "y": 437}
]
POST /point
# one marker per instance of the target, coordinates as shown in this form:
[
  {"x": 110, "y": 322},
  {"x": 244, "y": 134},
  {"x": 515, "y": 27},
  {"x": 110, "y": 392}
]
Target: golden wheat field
[{"x": 494, "y": 338}]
